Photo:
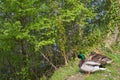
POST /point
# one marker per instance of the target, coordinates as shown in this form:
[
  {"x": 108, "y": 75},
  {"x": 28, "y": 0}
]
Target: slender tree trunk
[
  {"x": 23, "y": 52},
  {"x": 65, "y": 58},
  {"x": 116, "y": 32}
]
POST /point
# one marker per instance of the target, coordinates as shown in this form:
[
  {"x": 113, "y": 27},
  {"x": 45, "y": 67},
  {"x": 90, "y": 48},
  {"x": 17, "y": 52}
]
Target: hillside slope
[{"x": 71, "y": 72}]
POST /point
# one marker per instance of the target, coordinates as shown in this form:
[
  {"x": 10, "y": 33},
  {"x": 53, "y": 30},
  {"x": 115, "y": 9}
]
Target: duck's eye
[{"x": 79, "y": 56}]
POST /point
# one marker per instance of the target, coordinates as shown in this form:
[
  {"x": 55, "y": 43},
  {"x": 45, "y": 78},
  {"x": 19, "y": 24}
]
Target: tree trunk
[
  {"x": 65, "y": 58},
  {"x": 116, "y": 32}
]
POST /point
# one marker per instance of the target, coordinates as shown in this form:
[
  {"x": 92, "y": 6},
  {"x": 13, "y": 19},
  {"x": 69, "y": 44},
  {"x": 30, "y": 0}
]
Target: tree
[{"x": 25, "y": 27}]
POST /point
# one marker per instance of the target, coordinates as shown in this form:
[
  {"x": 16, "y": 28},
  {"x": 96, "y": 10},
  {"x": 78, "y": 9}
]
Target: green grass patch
[{"x": 66, "y": 70}]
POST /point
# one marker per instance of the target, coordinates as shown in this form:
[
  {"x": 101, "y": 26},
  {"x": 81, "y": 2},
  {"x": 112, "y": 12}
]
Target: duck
[
  {"x": 88, "y": 65},
  {"x": 97, "y": 57}
]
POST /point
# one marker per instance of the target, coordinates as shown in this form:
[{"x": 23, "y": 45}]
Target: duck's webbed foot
[{"x": 88, "y": 74}]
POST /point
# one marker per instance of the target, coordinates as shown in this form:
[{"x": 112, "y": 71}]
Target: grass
[
  {"x": 113, "y": 72},
  {"x": 65, "y": 71}
]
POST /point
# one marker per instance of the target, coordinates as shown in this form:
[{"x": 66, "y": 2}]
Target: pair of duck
[{"x": 95, "y": 62}]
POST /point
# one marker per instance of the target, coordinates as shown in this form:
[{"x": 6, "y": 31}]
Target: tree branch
[{"x": 49, "y": 61}]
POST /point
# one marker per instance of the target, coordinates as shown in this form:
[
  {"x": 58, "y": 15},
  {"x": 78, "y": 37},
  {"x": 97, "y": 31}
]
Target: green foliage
[
  {"x": 24, "y": 73},
  {"x": 59, "y": 29},
  {"x": 23, "y": 28}
]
